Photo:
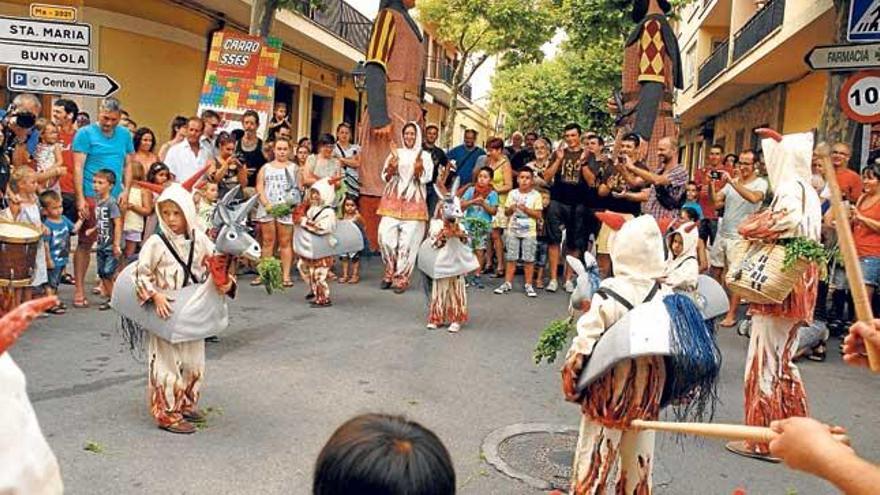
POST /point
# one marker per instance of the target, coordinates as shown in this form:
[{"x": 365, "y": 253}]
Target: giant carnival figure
[
  {"x": 651, "y": 72},
  {"x": 395, "y": 80}
]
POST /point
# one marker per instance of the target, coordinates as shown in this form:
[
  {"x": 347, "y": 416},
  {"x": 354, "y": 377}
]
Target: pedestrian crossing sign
[{"x": 864, "y": 20}]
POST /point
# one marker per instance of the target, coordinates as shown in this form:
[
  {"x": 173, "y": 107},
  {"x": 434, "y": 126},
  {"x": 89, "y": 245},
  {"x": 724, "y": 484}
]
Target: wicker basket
[{"x": 760, "y": 278}]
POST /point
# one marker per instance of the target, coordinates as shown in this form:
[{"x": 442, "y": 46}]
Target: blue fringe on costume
[{"x": 693, "y": 367}]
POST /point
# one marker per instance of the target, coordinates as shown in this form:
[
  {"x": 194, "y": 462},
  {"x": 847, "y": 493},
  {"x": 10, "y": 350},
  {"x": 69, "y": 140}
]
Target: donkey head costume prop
[{"x": 198, "y": 309}]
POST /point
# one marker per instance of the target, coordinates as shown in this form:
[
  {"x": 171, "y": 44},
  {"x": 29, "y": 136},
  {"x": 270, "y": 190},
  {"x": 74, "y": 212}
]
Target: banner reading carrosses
[{"x": 240, "y": 76}]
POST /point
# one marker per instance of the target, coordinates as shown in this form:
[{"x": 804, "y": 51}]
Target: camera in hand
[
  {"x": 24, "y": 120},
  {"x": 715, "y": 174}
]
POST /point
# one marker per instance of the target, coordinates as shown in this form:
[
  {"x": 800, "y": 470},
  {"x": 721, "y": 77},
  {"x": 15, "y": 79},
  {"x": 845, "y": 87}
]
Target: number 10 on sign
[{"x": 860, "y": 97}]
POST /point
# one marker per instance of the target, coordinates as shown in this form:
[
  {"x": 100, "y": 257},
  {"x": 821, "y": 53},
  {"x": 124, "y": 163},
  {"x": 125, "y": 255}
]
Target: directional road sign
[
  {"x": 844, "y": 57},
  {"x": 45, "y": 32},
  {"x": 68, "y": 83},
  {"x": 860, "y": 97},
  {"x": 55, "y": 57},
  {"x": 864, "y": 20}
]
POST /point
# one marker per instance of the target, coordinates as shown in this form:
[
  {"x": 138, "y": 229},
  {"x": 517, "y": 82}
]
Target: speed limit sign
[{"x": 860, "y": 97}]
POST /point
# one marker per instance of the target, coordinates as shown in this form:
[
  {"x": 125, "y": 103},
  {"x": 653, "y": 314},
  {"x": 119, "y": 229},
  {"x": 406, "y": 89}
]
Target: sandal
[
  {"x": 195, "y": 416},
  {"x": 56, "y": 310},
  {"x": 726, "y": 324},
  {"x": 355, "y": 279},
  {"x": 257, "y": 281},
  {"x": 104, "y": 306},
  {"x": 183, "y": 427},
  {"x": 80, "y": 303},
  {"x": 819, "y": 353},
  {"x": 342, "y": 280},
  {"x": 739, "y": 448},
  {"x": 287, "y": 283},
  {"x": 67, "y": 279}
]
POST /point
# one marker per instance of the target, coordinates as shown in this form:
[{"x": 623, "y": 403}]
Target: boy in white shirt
[{"x": 523, "y": 209}]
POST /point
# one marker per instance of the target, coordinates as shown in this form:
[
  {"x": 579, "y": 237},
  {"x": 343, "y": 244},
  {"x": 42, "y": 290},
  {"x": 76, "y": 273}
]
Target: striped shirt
[{"x": 382, "y": 38}]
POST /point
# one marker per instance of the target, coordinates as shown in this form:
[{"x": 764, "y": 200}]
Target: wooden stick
[
  {"x": 717, "y": 430},
  {"x": 861, "y": 299}
]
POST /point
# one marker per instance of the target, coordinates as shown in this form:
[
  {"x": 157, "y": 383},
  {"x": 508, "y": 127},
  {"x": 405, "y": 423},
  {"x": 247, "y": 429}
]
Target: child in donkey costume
[
  {"x": 636, "y": 384},
  {"x": 445, "y": 258},
  {"x": 320, "y": 220},
  {"x": 179, "y": 277}
]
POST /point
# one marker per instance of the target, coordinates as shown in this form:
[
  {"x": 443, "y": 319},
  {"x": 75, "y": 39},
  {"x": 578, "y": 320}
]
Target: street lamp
[{"x": 359, "y": 76}]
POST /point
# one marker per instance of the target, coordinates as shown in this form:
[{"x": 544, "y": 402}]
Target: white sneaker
[
  {"x": 552, "y": 286},
  {"x": 569, "y": 286},
  {"x": 503, "y": 288},
  {"x": 530, "y": 291},
  {"x": 431, "y": 326},
  {"x": 454, "y": 327}
]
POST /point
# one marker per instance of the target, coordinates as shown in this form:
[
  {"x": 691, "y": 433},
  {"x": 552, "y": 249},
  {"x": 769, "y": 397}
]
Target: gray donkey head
[
  {"x": 230, "y": 222},
  {"x": 450, "y": 209}
]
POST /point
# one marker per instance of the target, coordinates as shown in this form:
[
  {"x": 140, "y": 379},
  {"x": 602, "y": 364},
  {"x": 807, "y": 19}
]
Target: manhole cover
[
  {"x": 547, "y": 456},
  {"x": 540, "y": 455}
]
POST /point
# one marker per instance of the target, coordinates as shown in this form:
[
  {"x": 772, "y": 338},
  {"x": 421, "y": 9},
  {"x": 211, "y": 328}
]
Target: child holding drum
[{"x": 23, "y": 208}]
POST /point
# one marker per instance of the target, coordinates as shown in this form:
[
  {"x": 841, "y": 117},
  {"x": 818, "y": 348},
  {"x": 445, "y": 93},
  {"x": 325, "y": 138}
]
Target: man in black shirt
[
  {"x": 525, "y": 155},
  {"x": 438, "y": 156},
  {"x": 568, "y": 209},
  {"x": 249, "y": 147},
  {"x": 616, "y": 195}
]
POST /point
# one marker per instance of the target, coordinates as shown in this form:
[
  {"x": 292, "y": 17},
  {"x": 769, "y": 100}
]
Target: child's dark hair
[
  {"x": 486, "y": 169},
  {"x": 155, "y": 169},
  {"x": 379, "y": 454},
  {"x": 528, "y": 170},
  {"x": 691, "y": 213},
  {"x": 49, "y": 198},
  {"x": 107, "y": 174},
  {"x": 326, "y": 140}
]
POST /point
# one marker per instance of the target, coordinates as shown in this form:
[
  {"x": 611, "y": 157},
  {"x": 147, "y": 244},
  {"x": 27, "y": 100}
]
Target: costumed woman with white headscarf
[
  {"x": 403, "y": 208},
  {"x": 773, "y": 386}
]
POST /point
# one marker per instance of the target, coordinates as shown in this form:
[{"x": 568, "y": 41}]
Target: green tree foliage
[
  {"x": 572, "y": 87},
  {"x": 480, "y": 29}
]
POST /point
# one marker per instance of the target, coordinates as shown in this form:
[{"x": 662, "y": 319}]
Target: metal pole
[{"x": 357, "y": 118}]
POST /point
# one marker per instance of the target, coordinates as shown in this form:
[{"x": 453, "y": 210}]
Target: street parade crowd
[{"x": 174, "y": 218}]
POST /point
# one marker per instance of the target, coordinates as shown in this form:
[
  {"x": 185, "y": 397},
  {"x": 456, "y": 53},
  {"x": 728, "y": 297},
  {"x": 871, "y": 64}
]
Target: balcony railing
[
  {"x": 341, "y": 19},
  {"x": 758, "y": 27},
  {"x": 713, "y": 65},
  {"x": 441, "y": 69}
]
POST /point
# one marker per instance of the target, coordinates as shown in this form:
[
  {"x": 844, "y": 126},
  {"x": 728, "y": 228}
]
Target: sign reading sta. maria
[{"x": 860, "y": 97}]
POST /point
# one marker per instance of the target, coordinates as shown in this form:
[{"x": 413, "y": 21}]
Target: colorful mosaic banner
[{"x": 240, "y": 76}]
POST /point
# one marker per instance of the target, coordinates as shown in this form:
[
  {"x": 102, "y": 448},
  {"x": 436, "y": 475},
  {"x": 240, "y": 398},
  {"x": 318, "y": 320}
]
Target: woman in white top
[{"x": 278, "y": 184}]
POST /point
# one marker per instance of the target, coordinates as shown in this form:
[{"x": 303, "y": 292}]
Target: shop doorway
[
  {"x": 288, "y": 94},
  {"x": 322, "y": 114}
]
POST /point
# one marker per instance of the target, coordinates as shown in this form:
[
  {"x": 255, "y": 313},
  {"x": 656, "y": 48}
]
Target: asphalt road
[{"x": 284, "y": 376}]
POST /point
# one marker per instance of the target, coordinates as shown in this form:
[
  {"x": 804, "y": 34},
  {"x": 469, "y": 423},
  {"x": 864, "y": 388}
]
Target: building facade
[
  {"x": 157, "y": 50},
  {"x": 743, "y": 63}
]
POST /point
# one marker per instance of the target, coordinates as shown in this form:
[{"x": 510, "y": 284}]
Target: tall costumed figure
[
  {"x": 651, "y": 73},
  {"x": 773, "y": 386},
  {"x": 395, "y": 85}
]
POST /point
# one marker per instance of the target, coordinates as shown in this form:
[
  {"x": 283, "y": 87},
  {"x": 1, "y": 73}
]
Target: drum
[{"x": 18, "y": 253}]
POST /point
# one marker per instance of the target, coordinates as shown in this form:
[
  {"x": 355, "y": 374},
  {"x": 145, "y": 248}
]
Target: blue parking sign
[
  {"x": 19, "y": 78},
  {"x": 864, "y": 20}
]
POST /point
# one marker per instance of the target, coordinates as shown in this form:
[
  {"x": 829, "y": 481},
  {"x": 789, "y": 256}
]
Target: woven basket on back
[{"x": 760, "y": 277}]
